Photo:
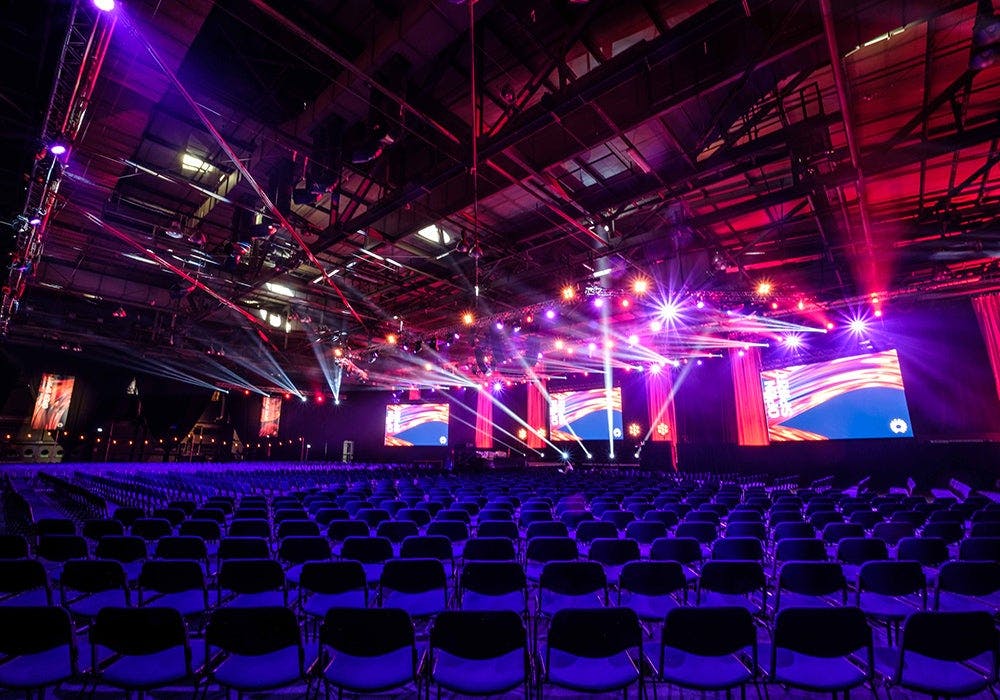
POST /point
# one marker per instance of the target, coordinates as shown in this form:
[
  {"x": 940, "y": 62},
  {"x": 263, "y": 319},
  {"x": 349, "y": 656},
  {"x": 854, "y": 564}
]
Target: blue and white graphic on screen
[
  {"x": 411, "y": 425},
  {"x": 583, "y": 415},
  {"x": 861, "y": 396}
]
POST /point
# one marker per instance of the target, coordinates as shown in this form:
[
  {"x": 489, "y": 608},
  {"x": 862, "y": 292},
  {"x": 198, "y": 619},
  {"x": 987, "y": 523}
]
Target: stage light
[
  {"x": 878, "y": 313},
  {"x": 741, "y": 352},
  {"x": 599, "y": 302},
  {"x": 634, "y": 429},
  {"x": 338, "y": 352},
  {"x": 655, "y": 368},
  {"x": 35, "y": 220},
  {"x": 801, "y": 305},
  {"x": 499, "y": 325},
  {"x": 626, "y": 303},
  {"x": 592, "y": 346},
  {"x": 829, "y": 325},
  {"x": 497, "y": 387},
  {"x": 700, "y": 304},
  {"x": 764, "y": 287},
  {"x": 774, "y": 305},
  {"x": 669, "y": 311},
  {"x": 858, "y": 325},
  {"x": 609, "y": 343},
  {"x": 564, "y": 455},
  {"x": 550, "y": 314},
  {"x": 792, "y": 341},
  {"x": 428, "y": 366},
  {"x": 391, "y": 339},
  {"x": 319, "y": 398},
  {"x": 699, "y": 363},
  {"x": 559, "y": 345},
  {"x": 633, "y": 339},
  {"x": 640, "y": 285},
  {"x": 287, "y": 396},
  {"x": 522, "y": 434},
  {"x": 568, "y": 293},
  {"x": 468, "y": 318},
  {"x": 104, "y": 5},
  {"x": 655, "y": 326},
  {"x": 57, "y": 149},
  {"x": 529, "y": 319}
]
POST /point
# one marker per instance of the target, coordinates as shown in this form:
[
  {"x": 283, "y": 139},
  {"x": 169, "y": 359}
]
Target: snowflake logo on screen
[
  {"x": 617, "y": 433},
  {"x": 443, "y": 440},
  {"x": 898, "y": 426}
]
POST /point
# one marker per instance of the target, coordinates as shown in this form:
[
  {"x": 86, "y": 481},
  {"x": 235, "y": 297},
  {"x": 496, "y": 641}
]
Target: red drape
[
  {"x": 535, "y": 417},
  {"x": 662, "y": 411},
  {"x": 484, "y": 421},
  {"x": 751, "y": 422},
  {"x": 987, "y": 310}
]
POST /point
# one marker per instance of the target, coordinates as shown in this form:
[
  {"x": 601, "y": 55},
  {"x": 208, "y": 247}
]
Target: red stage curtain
[
  {"x": 662, "y": 410},
  {"x": 536, "y": 416},
  {"x": 484, "y": 421},
  {"x": 751, "y": 423},
  {"x": 988, "y": 312}
]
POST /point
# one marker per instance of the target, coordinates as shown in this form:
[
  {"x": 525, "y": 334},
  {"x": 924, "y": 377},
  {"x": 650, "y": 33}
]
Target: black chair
[
  {"x": 260, "y": 648},
  {"x": 733, "y": 583},
  {"x": 13, "y": 546},
  {"x": 816, "y": 649},
  {"x": 613, "y": 554},
  {"x": 23, "y": 583},
  {"x": 944, "y": 654},
  {"x": 149, "y": 648},
  {"x": 708, "y": 648},
  {"x": 151, "y": 529},
  {"x": 367, "y": 650},
  {"x": 968, "y": 586},
  {"x": 331, "y": 584},
  {"x": 38, "y": 647},
  {"x": 54, "y": 550},
  {"x": 94, "y": 530},
  {"x": 744, "y": 548},
  {"x": 243, "y": 548},
  {"x": 251, "y": 583},
  {"x": 684, "y": 550},
  {"x": 652, "y": 588},
  {"x": 55, "y": 526},
  {"x": 128, "y": 550},
  {"x": 87, "y": 585},
  {"x": 489, "y": 549},
  {"x": 889, "y": 591},
  {"x": 542, "y": 550},
  {"x": 493, "y": 585},
  {"x": 419, "y": 586},
  {"x": 178, "y": 584},
  {"x": 810, "y": 584},
  {"x": 479, "y": 653},
  {"x": 294, "y": 551},
  {"x": 594, "y": 651},
  {"x": 498, "y": 528},
  {"x": 250, "y": 527},
  {"x": 372, "y": 552},
  {"x": 980, "y": 549}
]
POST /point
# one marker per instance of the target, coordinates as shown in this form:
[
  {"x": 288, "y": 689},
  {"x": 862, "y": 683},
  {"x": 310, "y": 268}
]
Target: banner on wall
[
  {"x": 52, "y": 402},
  {"x": 270, "y": 414}
]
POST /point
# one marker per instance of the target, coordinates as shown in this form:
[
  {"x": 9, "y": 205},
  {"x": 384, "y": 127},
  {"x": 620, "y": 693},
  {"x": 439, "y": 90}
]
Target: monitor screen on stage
[
  {"x": 847, "y": 398},
  {"x": 270, "y": 416},
  {"x": 410, "y": 425},
  {"x": 583, "y": 415},
  {"x": 52, "y": 402}
]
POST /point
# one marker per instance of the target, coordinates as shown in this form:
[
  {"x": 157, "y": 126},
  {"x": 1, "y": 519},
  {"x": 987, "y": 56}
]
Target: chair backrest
[
  {"x": 732, "y": 576},
  {"x": 573, "y": 578},
  {"x": 893, "y": 532},
  {"x": 369, "y": 550},
  {"x": 800, "y": 549},
  {"x": 793, "y": 530},
  {"x": 592, "y": 529},
  {"x": 895, "y": 578},
  {"x": 547, "y": 528},
  {"x": 123, "y": 548},
  {"x": 951, "y": 636},
  {"x": 413, "y": 575},
  {"x": 251, "y": 575},
  {"x": 645, "y": 531},
  {"x": 479, "y": 635},
  {"x": 207, "y": 530},
  {"x": 712, "y": 631},
  {"x": 498, "y": 528},
  {"x": 92, "y": 575},
  {"x": 685, "y": 550},
  {"x": 368, "y": 632},
  {"x": 746, "y": 548},
  {"x": 493, "y": 577},
  {"x": 342, "y": 530},
  {"x": 182, "y": 547},
  {"x": 397, "y": 530},
  {"x": 244, "y": 548},
  {"x": 929, "y": 551},
  {"x": 857, "y": 550},
  {"x": 489, "y": 549},
  {"x": 980, "y": 548},
  {"x": 140, "y": 631},
  {"x": 253, "y": 631},
  {"x": 55, "y": 526},
  {"x": 949, "y": 531},
  {"x": 595, "y": 633},
  {"x": 815, "y": 578},
  {"x": 33, "y": 629},
  {"x": 98, "y": 528},
  {"x": 545, "y": 549},
  {"x": 58, "y": 548},
  {"x": 250, "y": 527},
  {"x": 426, "y": 547},
  {"x": 824, "y": 632},
  {"x": 151, "y": 528},
  {"x": 13, "y": 546},
  {"x": 971, "y": 578},
  {"x": 652, "y": 578},
  {"x": 454, "y": 530},
  {"x": 171, "y": 576},
  {"x": 613, "y": 552},
  {"x": 19, "y": 575},
  {"x": 333, "y": 576}
]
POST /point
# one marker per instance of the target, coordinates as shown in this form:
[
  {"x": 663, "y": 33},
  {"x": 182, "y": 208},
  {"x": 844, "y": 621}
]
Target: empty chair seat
[
  {"x": 704, "y": 648},
  {"x": 38, "y": 648},
  {"x": 254, "y": 649},
  {"x": 368, "y": 650}
]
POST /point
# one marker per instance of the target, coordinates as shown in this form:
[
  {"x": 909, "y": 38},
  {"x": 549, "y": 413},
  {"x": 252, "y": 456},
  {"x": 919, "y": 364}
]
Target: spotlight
[
  {"x": 57, "y": 149},
  {"x": 634, "y": 429},
  {"x": 764, "y": 288},
  {"x": 564, "y": 455},
  {"x": 559, "y": 345},
  {"x": 522, "y": 434},
  {"x": 656, "y": 326},
  {"x": 792, "y": 341},
  {"x": 568, "y": 293},
  {"x": 104, "y": 5},
  {"x": 391, "y": 339},
  {"x": 877, "y": 313},
  {"x": 499, "y": 325},
  {"x": 599, "y": 302},
  {"x": 319, "y": 398},
  {"x": 669, "y": 311},
  {"x": 428, "y": 366},
  {"x": 640, "y": 285},
  {"x": 497, "y": 387},
  {"x": 774, "y": 305},
  {"x": 655, "y": 368},
  {"x": 338, "y": 352},
  {"x": 468, "y": 318},
  {"x": 700, "y": 304},
  {"x": 35, "y": 220},
  {"x": 550, "y": 314},
  {"x": 858, "y": 325},
  {"x": 801, "y": 305},
  {"x": 633, "y": 339},
  {"x": 626, "y": 303}
]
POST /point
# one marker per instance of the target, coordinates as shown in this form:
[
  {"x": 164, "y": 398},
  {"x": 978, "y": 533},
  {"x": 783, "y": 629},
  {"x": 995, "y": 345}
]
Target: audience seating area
[{"x": 369, "y": 580}]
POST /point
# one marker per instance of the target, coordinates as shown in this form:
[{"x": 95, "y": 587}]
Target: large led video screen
[
  {"x": 270, "y": 416},
  {"x": 844, "y": 399},
  {"x": 52, "y": 402},
  {"x": 583, "y": 415},
  {"x": 410, "y": 425}
]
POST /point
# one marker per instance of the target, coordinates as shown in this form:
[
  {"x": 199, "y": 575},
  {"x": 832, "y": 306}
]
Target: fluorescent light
[
  {"x": 603, "y": 273},
  {"x": 393, "y": 262},
  {"x": 139, "y": 258},
  {"x": 281, "y": 289},
  {"x": 371, "y": 253},
  {"x": 331, "y": 273},
  {"x": 189, "y": 161}
]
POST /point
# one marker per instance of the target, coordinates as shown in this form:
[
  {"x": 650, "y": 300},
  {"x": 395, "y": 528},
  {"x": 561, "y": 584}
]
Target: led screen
[
  {"x": 270, "y": 416},
  {"x": 583, "y": 415},
  {"x": 847, "y": 398},
  {"x": 407, "y": 425},
  {"x": 52, "y": 402}
]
